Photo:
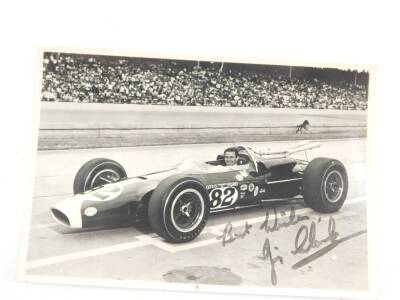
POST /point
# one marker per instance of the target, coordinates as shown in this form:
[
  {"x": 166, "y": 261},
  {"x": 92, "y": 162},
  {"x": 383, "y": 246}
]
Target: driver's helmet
[{"x": 244, "y": 157}]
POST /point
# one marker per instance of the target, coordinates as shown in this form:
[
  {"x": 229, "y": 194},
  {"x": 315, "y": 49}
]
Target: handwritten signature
[
  {"x": 293, "y": 220},
  {"x": 228, "y": 236},
  {"x": 266, "y": 254},
  {"x": 305, "y": 239},
  {"x": 308, "y": 235}
]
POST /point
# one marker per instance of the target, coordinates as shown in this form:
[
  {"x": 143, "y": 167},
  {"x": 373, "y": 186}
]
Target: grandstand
[{"x": 111, "y": 79}]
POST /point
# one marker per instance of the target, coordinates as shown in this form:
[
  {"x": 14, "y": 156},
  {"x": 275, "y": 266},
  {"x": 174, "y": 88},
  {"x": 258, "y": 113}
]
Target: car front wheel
[
  {"x": 178, "y": 209},
  {"x": 97, "y": 172}
]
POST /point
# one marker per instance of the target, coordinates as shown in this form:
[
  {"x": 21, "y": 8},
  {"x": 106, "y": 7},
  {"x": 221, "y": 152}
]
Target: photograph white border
[{"x": 371, "y": 192}]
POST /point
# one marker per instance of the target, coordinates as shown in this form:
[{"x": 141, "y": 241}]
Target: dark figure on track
[{"x": 303, "y": 126}]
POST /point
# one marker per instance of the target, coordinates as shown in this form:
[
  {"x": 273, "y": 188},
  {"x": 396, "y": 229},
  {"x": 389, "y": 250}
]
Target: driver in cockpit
[
  {"x": 231, "y": 156},
  {"x": 231, "y": 159}
]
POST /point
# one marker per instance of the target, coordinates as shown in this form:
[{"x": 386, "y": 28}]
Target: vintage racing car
[{"x": 178, "y": 201}]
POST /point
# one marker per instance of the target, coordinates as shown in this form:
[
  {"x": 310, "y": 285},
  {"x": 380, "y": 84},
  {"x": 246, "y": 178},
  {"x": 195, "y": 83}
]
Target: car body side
[{"x": 126, "y": 201}]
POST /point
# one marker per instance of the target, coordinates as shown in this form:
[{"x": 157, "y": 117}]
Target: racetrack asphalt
[
  {"x": 130, "y": 253},
  {"x": 75, "y": 115},
  {"x": 93, "y": 125}
]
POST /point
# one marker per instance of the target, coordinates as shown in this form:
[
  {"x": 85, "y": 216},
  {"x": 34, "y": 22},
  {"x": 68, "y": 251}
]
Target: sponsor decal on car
[
  {"x": 251, "y": 187},
  {"x": 262, "y": 191},
  {"x": 242, "y": 195},
  {"x": 239, "y": 177},
  {"x": 256, "y": 191},
  {"x": 244, "y": 173},
  {"x": 243, "y": 187},
  {"x": 221, "y": 185}
]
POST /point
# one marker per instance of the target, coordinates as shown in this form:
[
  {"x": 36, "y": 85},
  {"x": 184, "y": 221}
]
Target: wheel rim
[
  {"x": 187, "y": 210},
  {"x": 333, "y": 186},
  {"x": 103, "y": 177}
]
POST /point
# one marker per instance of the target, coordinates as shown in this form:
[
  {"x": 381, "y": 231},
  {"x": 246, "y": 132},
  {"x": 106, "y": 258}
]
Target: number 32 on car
[{"x": 223, "y": 197}]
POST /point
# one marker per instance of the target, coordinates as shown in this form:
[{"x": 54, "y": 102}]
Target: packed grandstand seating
[{"x": 101, "y": 79}]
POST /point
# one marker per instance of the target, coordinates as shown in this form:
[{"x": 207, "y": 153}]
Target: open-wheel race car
[{"x": 177, "y": 202}]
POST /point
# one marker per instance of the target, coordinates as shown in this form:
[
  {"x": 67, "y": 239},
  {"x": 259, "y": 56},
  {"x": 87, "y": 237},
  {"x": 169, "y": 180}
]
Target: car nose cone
[{"x": 68, "y": 212}]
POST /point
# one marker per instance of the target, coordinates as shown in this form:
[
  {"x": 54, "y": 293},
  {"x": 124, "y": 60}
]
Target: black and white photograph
[{"x": 224, "y": 175}]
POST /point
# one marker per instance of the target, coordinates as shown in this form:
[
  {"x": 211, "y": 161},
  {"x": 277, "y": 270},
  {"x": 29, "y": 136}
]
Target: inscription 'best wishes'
[{"x": 305, "y": 239}]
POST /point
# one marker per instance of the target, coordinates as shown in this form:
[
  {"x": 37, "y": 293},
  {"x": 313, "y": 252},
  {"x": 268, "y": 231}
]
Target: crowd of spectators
[{"x": 82, "y": 78}]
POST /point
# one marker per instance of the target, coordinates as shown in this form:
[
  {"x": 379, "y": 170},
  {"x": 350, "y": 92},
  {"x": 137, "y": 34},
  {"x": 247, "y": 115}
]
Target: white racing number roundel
[{"x": 223, "y": 197}]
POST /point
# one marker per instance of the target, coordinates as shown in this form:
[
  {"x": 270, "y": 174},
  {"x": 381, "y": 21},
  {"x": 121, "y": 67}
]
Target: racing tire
[
  {"x": 97, "y": 172},
  {"x": 178, "y": 209},
  {"x": 325, "y": 185}
]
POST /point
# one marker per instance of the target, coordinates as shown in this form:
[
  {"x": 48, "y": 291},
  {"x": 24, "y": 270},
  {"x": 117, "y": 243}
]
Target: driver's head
[{"x": 230, "y": 156}]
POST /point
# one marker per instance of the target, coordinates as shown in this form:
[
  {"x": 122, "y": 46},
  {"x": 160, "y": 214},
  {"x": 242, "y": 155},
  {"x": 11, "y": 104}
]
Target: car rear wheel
[
  {"x": 97, "y": 172},
  {"x": 325, "y": 185},
  {"x": 178, "y": 209}
]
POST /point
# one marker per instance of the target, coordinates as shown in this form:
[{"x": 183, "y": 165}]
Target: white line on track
[
  {"x": 82, "y": 254},
  {"x": 43, "y": 225},
  {"x": 146, "y": 240}
]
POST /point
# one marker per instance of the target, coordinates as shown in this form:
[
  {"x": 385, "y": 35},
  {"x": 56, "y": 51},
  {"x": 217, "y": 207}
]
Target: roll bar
[{"x": 304, "y": 146}]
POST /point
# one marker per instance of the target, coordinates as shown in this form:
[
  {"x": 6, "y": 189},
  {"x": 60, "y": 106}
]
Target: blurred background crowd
[{"x": 109, "y": 79}]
